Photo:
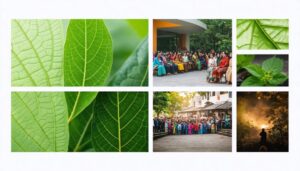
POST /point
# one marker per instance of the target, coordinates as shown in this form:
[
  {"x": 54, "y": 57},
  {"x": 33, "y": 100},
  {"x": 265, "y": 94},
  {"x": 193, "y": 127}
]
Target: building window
[{"x": 230, "y": 94}]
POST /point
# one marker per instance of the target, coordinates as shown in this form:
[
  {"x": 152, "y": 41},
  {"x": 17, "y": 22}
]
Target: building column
[{"x": 187, "y": 42}]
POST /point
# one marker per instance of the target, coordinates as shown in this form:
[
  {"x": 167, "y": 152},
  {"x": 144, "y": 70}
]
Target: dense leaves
[{"x": 262, "y": 34}]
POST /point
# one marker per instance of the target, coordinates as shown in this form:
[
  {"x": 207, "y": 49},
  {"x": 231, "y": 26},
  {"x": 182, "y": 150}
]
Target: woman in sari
[
  {"x": 222, "y": 68},
  {"x": 229, "y": 72},
  {"x": 159, "y": 65},
  {"x": 178, "y": 62},
  {"x": 202, "y": 60},
  {"x": 186, "y": 63},
  {"x": 190, "y": 128},
  {"x": 196, "y": 61}
]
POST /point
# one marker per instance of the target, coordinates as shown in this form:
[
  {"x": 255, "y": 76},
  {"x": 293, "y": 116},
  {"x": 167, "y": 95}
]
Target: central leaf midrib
[
  {"x": 257, "y": 22},
  {"x": 119, "y": 125},
  {"x": 85, "y": 53}
]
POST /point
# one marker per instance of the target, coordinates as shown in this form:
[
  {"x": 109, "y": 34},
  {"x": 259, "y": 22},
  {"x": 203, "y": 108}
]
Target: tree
[
  {"x": 175, "y": 103},
  {"x": 160, "y": 102}
]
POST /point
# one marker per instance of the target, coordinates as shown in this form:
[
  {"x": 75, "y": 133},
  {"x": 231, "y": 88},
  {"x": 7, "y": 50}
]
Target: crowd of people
[
  {"x": 203, "y": 126},
  {"x": 217, "y": 65}
]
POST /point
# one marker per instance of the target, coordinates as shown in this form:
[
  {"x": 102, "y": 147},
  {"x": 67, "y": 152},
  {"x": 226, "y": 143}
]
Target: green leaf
[
  {"x": 134, "y": 72},
  {"x": 125, "y": 40},
  {"x": 263, "y": 34},
  {"x": 278, "y": 79},
  {"x": 80, "y": 130},
  {"x": 37, "y": 52},
  {"x": 39, "y": 122},
  {"x": 88, "y": 53},
  {"x": 120, "y": 123},
  {"x": 274, "y": 65},
  {"x": 140, "y": 26},
  {"x": 255, "y": 70},
  {"x": 252, "y": 81},
  {"x": 244, "y": 60},
  {"x": 78, "y": 101}
]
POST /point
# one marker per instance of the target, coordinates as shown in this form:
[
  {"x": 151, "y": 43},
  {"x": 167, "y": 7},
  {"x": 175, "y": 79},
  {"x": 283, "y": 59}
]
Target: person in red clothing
[
  {"x": 221, "y": 69},
  {"x": 196, "y": 128}
]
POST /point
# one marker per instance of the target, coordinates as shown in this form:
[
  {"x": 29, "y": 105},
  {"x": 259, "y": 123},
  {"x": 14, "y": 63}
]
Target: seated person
[
  {"x": 202, "y": 60},
  {"x": 186, "y": 63},
  {"x": 178, "y": 61},
  {"x": 212, "y": 64},
  {"x": 159, "y": 65},
  {"x": 222, "y": 68},
  {"x": 229, "y": 72}
]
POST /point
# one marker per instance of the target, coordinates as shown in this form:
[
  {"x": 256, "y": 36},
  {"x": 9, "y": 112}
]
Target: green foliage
[
  {"x": 263, "y": 34},
  {"x": 88, "y": 53},
  {"x": 37, "y": 52},
  {"x": 244, "y": 60},
  {"x": 217, "y": 36},
  {"x": 120, "y": 122},
  {"x": 134, "y": 71},
  {"x": 93, "y": 51},
  {"x": 269, "y": 74},
  {"x": 160, "y": 102},
  {"x": 40, "y": 122},
  {"x": 175, "y": 102}
]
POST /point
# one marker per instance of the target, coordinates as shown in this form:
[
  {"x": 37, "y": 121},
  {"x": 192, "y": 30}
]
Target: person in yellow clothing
[{"x": 176, "y": 58}]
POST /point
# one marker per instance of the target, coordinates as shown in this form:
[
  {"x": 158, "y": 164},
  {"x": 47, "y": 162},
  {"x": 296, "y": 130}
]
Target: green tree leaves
[
  {"x": 39, "y": 122},
  {"x": 88, "y": 53},
  {"x": 37, "y": 52},
  {"x": 262, "y": 34},
  {"x": 120, "y": 122}
]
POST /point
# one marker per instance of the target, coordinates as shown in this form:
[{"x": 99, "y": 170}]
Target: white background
[{"x": 183, "y": 9}]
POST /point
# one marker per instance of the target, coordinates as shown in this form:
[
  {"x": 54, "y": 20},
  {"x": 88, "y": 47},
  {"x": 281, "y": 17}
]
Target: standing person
[
  {"x": 174, "y": 128},
  {"x": 170, "y": 128},
  {"x": 199, "y": 127},
  {"x": 208, "y": 127},
  {"x": 202, "y": 127},
  {"x": 166, "y": 125},
  {"x": 196, "y": 127},
  {"x": 190, "y": 128},
  {"x": 179, "y": 128},
  {"x": 263, "y": 137}
]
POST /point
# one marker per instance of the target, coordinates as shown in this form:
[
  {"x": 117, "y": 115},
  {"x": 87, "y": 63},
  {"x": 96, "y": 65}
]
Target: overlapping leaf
[
  {"x": 134, "y": 72},
  {"x": 262, "y": 34},
  {"x": 37, "y": 52},
  {"x": 39, "y": 122},
  {"x": 78, "y": 101},
  {"x": 88, "y": 53},
  {"x": 120, "y": 122}
]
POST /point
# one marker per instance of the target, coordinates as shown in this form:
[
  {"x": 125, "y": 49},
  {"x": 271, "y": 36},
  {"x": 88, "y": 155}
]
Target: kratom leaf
[
  {"x": 39, "y": 122},
  {"x": 244, "y": 60},
  {"x": 140, "y": 26},
  {"x": 278, "y": 79},
  {"x": 37, "y": 52},
  {"x": 274, "y": 65},
  {"x": 78, "y": 101},
  {"x": 80, "y": 130},
  {"x": 252, "y": 81},
  {"x": 120, "y": 122},
  {"x": 134, "y": 72},
  {"x": 88, "y": 53},
  {"x": 255, "y": 70},
  {"x": 263, "y": 34}
]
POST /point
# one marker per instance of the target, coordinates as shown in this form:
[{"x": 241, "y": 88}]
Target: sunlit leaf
[
  {"x": 37, "y": 52},
  {"x": 88, "y": 53},
  {"x": 274, "y": 65},
  {"x": 262, "y": 34}
]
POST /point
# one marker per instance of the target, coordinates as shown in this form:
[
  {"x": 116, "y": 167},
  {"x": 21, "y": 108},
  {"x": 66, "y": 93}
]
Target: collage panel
[
  {"x": 79, "y": 122},
  {"x": 262, "y": 70},
  {"x": 79, "y": 52},
  {"x": 262, "y": 121},
  {"x": 192, "y": 121},
  {"x": 262, "y": 34},
  {"x": 192, "y": 52}
]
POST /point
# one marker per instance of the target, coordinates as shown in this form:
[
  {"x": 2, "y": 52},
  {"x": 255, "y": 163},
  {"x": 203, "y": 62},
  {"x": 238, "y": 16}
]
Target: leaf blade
[
  {"x": 38, "y": 126},
  {"x": 37, "y": 52},
  {"x": 120, "y": 122},
  {"x": 262, "y": 34},
  {"x": 134, "y": 72},
  {"x": 88, "y": 53}
]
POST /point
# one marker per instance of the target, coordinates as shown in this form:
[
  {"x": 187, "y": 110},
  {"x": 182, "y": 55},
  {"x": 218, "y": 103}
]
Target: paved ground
[
  {"x": 193, "y": 78},
  {"x": 193, "y": 143}
]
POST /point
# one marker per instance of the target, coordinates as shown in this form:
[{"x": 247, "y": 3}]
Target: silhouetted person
[{"x": 263, "y": 137}]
